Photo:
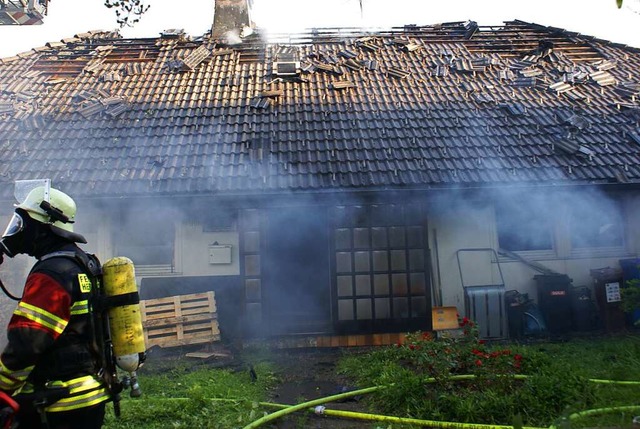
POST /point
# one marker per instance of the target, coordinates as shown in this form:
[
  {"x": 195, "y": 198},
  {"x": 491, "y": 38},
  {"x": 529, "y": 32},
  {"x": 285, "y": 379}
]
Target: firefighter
[{"x": 51, "y": 362}]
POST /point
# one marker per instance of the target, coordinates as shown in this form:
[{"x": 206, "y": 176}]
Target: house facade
[{"x": 339, "y": 182}]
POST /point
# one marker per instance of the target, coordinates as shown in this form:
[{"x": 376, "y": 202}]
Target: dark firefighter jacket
[{"x": 50, "y": 336}]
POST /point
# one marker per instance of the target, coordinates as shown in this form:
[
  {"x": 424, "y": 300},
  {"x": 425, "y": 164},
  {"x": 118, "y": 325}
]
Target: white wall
[
  {"x": 192, "y": 251},
  {"x": 457, "y": 225}
]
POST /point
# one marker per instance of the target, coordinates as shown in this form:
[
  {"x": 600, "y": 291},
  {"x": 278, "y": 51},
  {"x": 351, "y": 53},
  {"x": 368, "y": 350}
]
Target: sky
[{"x": 66, "y": 18}]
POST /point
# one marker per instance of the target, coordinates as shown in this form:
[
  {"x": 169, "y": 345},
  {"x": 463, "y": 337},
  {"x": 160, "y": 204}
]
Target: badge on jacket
[{"x": 85, "y": 283}]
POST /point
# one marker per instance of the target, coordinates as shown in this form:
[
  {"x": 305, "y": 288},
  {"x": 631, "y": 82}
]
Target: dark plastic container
[
  {"x": 583, "y": 309},
  {"x": 609, "y": 305},
  {"x": 554, "y": 301}
]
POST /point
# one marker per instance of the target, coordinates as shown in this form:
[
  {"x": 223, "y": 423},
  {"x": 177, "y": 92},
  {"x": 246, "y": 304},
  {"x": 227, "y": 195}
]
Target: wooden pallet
[{"x": 180, "y": 320}]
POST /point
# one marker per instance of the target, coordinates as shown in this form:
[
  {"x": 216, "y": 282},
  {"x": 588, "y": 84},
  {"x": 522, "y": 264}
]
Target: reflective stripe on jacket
[
  {"x": 50, "y": 336},
  {"x": 11, "y": 380}
]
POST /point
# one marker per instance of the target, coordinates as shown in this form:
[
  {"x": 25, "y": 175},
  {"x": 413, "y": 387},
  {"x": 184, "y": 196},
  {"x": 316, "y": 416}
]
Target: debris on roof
[{"x": 415, "y": 106}]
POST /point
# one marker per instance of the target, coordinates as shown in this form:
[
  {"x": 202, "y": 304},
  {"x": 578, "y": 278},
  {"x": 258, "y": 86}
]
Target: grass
[
  {"x": 181, "y": 397},
  {"x": 557, "y": 386},
  {"x": 558, "y": 382}
]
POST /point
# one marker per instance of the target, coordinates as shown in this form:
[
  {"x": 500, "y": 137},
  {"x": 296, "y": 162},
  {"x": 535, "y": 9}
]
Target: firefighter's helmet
[
  {"x": 59, "y": 211},
  {"x": 56, "y": 209}
]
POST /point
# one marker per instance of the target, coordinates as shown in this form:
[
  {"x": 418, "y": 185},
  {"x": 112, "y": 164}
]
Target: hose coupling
[{"x": 319, "y": 410}]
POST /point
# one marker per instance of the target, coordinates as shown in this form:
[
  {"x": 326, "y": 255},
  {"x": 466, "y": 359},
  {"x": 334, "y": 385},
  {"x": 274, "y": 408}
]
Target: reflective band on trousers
[
  {"x": 80, "y": 307},
  {"x": 41, "y": 317},
  {"x": 83, "y": 392},
  {"x": 80, "y": 401}
]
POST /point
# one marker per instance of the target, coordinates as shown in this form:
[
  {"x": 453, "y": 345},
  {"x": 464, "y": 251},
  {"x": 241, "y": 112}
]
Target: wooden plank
[
  {"x": 189, "y": 341},
  {"x": 180, "y": 320},
  {"x": 150, "y": 323}
]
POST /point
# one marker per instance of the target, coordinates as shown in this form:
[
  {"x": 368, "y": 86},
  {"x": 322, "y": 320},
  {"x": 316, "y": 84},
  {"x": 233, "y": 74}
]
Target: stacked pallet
[{"x": 180, "y": 320}]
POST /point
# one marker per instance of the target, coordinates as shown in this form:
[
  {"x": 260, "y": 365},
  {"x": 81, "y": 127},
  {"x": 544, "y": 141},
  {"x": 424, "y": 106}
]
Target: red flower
[
  {"x": 412, "y": 347},
  {"x": 518, "y": 357},
  {"x": 481, "y": 341},
  {"x": 478, "y": 362}
]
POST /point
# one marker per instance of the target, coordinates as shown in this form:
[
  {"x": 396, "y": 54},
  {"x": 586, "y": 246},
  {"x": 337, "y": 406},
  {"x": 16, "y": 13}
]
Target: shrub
[{"x": 421, "y": 377}]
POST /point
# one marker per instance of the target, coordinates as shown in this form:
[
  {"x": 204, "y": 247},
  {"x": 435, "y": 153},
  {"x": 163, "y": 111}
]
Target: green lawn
[{"x": 538, "y": 385}]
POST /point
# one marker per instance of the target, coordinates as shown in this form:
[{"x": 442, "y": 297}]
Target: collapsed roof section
[{"x": 448, "y": 105}]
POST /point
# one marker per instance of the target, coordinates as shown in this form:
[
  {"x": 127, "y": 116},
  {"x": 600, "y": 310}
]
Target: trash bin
[
  {"x": 583, "y": 309},
  {"x": 607, "y": 283},
  {"x": 515, "y": 303},
  {"x": 554, "y": 301}
]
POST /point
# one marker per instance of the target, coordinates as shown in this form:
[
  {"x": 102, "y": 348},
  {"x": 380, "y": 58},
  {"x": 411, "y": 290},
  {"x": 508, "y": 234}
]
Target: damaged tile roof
[{"x": 424, "y": 107}]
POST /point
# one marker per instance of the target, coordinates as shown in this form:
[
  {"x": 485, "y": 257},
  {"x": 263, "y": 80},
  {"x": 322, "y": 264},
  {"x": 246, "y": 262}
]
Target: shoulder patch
[{"x": 85, "y": 283}]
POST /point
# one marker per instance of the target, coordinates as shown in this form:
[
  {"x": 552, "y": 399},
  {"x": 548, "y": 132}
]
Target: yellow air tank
[{"x": 125, "y": 321}]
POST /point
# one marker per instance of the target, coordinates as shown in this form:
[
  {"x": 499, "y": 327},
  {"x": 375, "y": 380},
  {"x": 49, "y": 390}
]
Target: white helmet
[{"x": 58, "y": 210}]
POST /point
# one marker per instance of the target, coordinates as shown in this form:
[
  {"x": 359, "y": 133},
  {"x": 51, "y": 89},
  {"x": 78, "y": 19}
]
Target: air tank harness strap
[{"x": 103, "y": 302}]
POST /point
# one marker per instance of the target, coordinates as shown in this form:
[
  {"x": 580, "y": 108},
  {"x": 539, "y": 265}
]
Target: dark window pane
[
  {"x": 362, "y": 261},
  {"x": 360, "y": 216},
  {"x": 522, "y": 227},
  {"x": 418, "y": 285},
  {"x": 252, "y": 265},
  {"x": 419, "y": 307},
  {"x": 251, "y": 219},
  {"x": 381, "y": 284},
  {"x": 396, "y": 237},
  {"x": 146, "y": 242},
  {"x": 400, "y": 307},
  {"x": 595, "y": 225},
  {"x": 253, "y": 290},
  {"x": 361, "y": 238},
  {"x": 383, "y": 308},
  {"x": 413, "y": 214},
  {"x": 397, "y": 214},
  {"x": 381, "y": 215},
  {"x": 379, "y": 236},
  {"x": 398, "y": 260},
  {"x": 252, "y": 242},
  {"x": 342, "y": 216},
  {"x": 380, "y": 260},
  {"x": 220, "y": 220},
  {"x": 345, "y": 286},
  {"x": 363, "y": 285},
  {"x": 343, "y": 239},
  {"x": 399, "y": 284},
  {"x": 343, "y": 262},
  {"x": 415, "y": 236},
  {"x": 345, "y": 309},
  {"x": 416, "y": 259},
  {"x": 363, "y": 309}
]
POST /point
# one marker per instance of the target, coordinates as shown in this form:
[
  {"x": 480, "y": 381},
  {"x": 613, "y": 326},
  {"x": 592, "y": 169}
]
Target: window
[
  {"x": 596, "y": 224},
  {"x": 380, "y": 265},
  {"x": 220, "y": 220},
  {"x": 146, "y": 242},
  {"x": 522, "y": 226}
]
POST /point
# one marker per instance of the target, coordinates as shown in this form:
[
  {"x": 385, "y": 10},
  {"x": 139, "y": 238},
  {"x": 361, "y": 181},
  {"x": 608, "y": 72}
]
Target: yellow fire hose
[
  {"x": 316, "y": 406},
  {"x": 444, "y": 425}
]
